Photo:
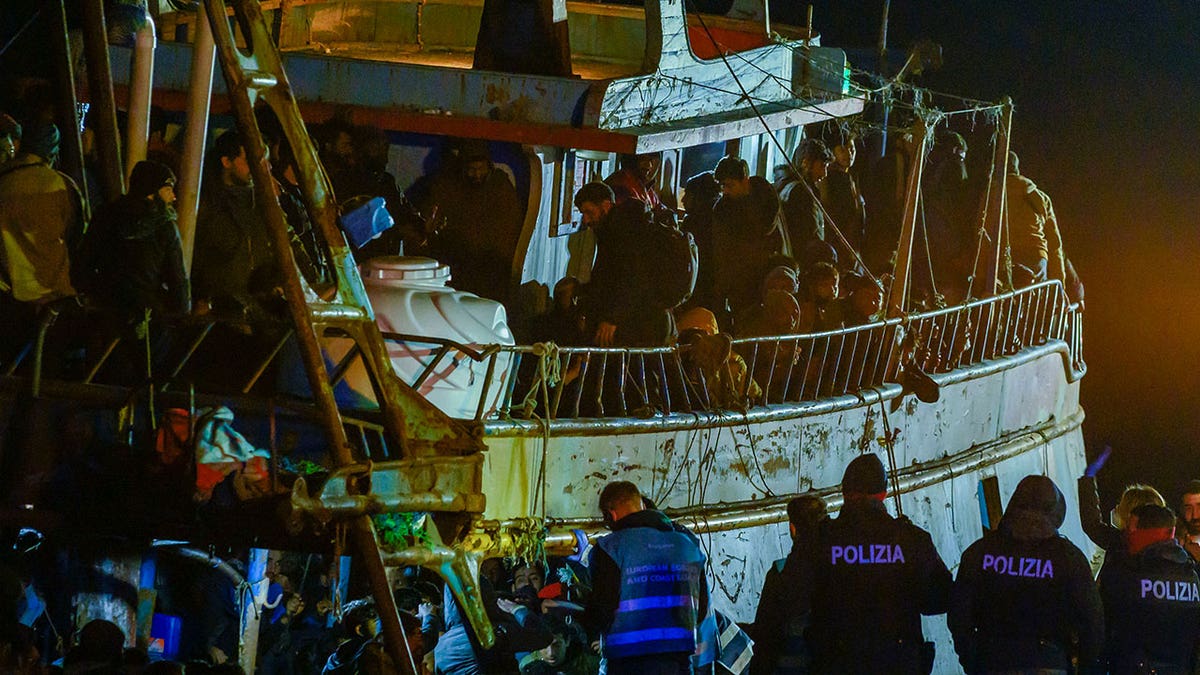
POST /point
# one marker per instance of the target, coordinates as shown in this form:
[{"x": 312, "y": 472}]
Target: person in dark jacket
[
  {"x": 1024, "y": 597},
  {"x": 131, "y": 258},
  {"x": 800, "y": 200},
  {"x": 234, "y": 267},
  {"x": 649, "y": 592},
  {"x": 617, "y": 300},
  {"x": 747, "y": 231},
  {"x": 785, "y": 606},
  {"x": 518, "y": 629},
  {"x": 875, "y": 576},
  {"x": 1151, "y": 599},
  {"x": 700, "y": 195}
]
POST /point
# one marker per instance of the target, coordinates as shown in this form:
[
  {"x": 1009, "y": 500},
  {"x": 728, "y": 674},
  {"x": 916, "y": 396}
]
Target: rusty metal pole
[
  {"x": 244, "y": 85},
  {"x": 992, "y": 210},
  {"x": 66, "y": 101},
  {"x": 100, "y": 91},
  {"x": 104, "y": 107},
  {"x": 195, "y": 135},
  {"x": 899, "y": 290}
]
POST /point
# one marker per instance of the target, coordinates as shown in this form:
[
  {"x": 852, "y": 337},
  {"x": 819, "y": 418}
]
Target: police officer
[
  {"x": 1024, "y": 598},
  {"x": 785, "y": 605},
  {"x": 875, "y": 576},
  {"x": 1151, "y": 598},
  {"x": 649, "y": 590}
]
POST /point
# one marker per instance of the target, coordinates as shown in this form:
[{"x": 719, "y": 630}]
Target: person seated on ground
[
  {"x": 747, "y": 231},
  {"x": 275, "y": 647},
  {"x": 567, "y": 654},
  {"x": 458, "y": 651},
  {"x": 819, "y": 309},
  {"x": 752, "y": 322},
  {"x": 131, "y": 257},
  {"x": 636, "y": 179},
  {"x": 564, "y": 324},
  {"x": 710, "y": 364},
  {"x": 862, "y": 302},
  {"x": 234, "y": 271}
]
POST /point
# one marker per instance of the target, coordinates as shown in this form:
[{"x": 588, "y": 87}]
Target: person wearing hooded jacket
[
  {"x": 1024, "y": 597},
  {"x": 1151, "y": 598},
  {"x": 131, "y": 257},
  {"x": 875, "y": 575}
]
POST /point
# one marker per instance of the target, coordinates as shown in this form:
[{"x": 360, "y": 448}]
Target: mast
[{"x": 899, "y": 293}]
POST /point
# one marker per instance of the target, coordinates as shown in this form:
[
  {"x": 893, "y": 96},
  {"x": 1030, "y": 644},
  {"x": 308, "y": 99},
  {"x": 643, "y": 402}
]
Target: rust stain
[
  {"x": 740, "y": 467},
  {"x": 495, "y": 93},
  {"x": 776, "y": 464}
]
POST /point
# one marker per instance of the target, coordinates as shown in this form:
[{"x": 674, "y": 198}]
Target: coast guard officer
[
  {"x": 875, "y": 576},
  {"x": 1024, "y": 599},
  {"x": 1151, "y": 599}
]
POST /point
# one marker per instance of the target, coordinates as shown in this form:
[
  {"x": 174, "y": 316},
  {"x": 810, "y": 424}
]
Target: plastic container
[{"x": 410, "y": 297}]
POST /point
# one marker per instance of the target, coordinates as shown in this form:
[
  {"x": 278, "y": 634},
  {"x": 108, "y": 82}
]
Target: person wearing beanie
[
  {"x": 131, "y": 259},
  {"x": 1024, "y": 599},
  {"x": 1151, "y": 598},
  {"x": 875, "y": 576}
]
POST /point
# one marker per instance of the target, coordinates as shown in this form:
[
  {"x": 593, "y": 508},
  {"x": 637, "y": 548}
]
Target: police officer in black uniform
[
  {"x": 1151, "y": 599},
  {"x": 1024, "y": 598},
  {"x": 875, "y": 576}
]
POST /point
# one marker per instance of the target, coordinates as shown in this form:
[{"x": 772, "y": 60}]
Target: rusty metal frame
[{"x": 255, "y": 75}]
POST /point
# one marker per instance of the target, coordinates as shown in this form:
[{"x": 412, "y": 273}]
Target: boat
[{"x": 521, "y": 476}]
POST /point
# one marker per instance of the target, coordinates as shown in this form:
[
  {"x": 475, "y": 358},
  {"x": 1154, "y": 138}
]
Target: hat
[
  {"x": 42, "y": 141},
  {"x": 149, "y": 177},
  {"x": 865, "y": 476}
]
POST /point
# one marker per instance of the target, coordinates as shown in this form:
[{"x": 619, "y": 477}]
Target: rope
[
  {"x": 549, "y": 374},
  {"x": 889, "y": 444},
  {"x": 22, "y": 29}
]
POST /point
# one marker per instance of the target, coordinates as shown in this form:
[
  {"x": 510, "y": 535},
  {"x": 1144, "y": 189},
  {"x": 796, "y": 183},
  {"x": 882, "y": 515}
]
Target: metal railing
[
  {"x": 571, "y": 382},
  {"x": 541, "y": 380}
]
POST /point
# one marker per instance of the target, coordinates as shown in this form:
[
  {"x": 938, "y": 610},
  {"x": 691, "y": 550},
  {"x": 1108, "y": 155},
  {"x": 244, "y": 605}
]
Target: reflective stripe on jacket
[{"x": 661, "y": 577}]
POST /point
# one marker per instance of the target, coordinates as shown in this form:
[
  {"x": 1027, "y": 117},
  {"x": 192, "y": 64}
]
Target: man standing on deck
[
  {"x": 1024, "y": 600},
  {"x": 649, "y": 587},
  {"x": 747, "y": 229},
  {"x": 618, "y": 298},
  {"x": 1037, "y": 250},
  {"x": 875, "y": 576}
]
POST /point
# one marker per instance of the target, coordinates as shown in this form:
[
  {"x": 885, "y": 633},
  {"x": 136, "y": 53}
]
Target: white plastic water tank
[{"x": 410, "y": 297}]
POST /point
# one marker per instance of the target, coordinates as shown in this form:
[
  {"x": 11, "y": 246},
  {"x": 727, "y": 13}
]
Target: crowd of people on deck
[
  {"x": 847, "y": 598},
  {"x": 811, "y": 251}
]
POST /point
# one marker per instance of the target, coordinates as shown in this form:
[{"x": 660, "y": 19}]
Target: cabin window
[{"x": 989, "y": 503}]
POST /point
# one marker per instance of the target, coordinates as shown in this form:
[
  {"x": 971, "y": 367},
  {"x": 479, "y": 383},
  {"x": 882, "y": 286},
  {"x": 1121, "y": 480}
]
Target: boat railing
[{"x": 549, "y": 381}]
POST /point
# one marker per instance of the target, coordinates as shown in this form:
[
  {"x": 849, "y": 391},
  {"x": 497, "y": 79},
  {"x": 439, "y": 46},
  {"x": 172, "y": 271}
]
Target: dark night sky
[{"x": 1107, "y": 121}]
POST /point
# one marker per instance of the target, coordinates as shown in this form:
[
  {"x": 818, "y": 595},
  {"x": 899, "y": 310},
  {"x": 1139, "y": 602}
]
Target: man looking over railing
[{"x": 619, "y": 299}]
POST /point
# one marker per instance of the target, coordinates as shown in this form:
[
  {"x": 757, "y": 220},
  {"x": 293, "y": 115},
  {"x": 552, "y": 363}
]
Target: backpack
[{"x": 674, "y": 261}]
